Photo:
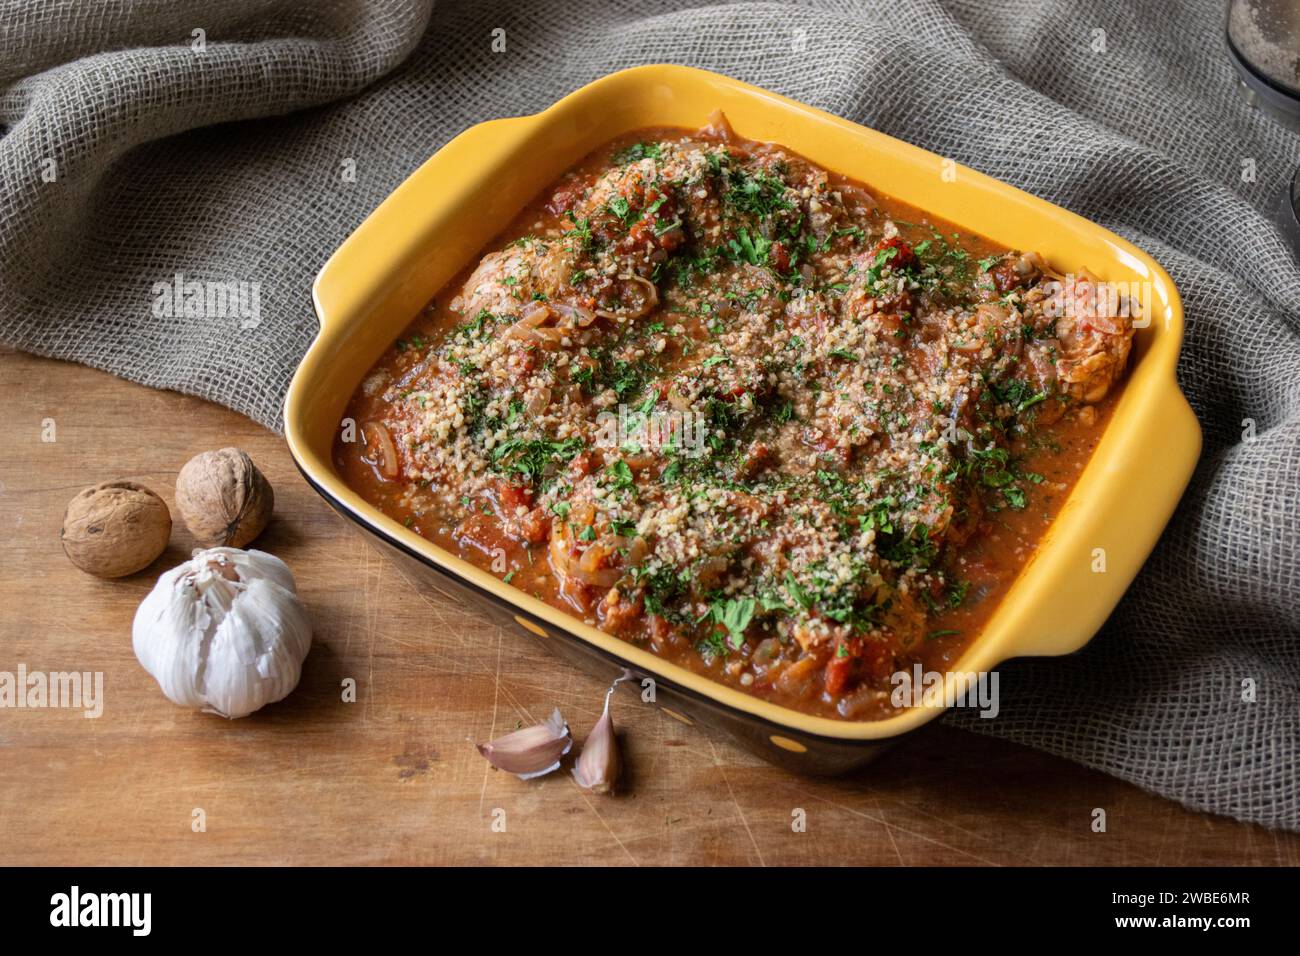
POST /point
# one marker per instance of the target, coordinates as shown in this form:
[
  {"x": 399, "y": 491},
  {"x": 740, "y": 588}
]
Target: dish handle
[{"x": 353, "y": 278}]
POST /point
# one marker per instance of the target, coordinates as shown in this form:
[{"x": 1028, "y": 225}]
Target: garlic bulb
[{"x": 225, "y": 632}]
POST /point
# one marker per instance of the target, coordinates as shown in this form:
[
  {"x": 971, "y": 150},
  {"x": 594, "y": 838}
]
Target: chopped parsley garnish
[
  {"x": 534, "y": 459},
  {"x": 734, "y": 614},
  {"x": 637, "y": 152}
]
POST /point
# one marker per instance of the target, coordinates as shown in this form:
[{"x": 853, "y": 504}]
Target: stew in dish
[{"x": 745, "y": 412}]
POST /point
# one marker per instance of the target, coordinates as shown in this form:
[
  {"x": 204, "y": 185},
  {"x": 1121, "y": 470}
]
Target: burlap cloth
[{"x": 135, "y": 149}]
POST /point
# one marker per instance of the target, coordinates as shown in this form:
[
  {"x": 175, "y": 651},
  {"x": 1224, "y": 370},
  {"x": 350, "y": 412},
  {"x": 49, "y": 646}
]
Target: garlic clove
[
  {"x": 245, "y": 670},
  {"x": 531, "y": 752},
  {"x": 601, "y": 761}
]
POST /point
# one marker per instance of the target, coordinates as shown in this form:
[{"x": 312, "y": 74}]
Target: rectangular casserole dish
[{"x": 448, "y": 209}]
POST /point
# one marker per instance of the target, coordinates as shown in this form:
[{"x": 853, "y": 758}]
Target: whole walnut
[
  {"x": 115, "y": 528},
  {"x": 224, "y": 499}
]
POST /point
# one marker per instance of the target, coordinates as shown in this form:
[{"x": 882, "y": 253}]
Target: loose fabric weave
[{"x": 136, "y": 150}]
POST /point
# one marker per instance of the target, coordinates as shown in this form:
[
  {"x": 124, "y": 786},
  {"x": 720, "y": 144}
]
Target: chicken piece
[
  {"x": 1092, "y": 363},
  {"x": 824, "y": 214},
  {"x": 1013, "y": 272},
  {"x": 633, "y": 216},
  {"x": 1082, "y": 338},
  {"x": 877, "y": 296},
  {"x": 1094, "y": 337},
  {"x": 954, "y": 526},
  {"x": 700, "y": 201},
  {"x": 621, "y": 183},
  {"x": 505, "y": 281},
  {"x": 904, "y": 618}
]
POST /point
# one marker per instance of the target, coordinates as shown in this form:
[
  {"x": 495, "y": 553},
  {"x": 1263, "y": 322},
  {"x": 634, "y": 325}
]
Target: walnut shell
[
  {"x": 115, "y": 528},
  {"x": 224, "y": 499}
]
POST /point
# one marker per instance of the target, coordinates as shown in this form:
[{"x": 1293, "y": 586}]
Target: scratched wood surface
[{"x": 393, "y": 777}]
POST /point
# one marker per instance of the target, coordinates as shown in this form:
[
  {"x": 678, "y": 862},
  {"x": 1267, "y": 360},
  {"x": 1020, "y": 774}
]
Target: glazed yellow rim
[{"x": 450, "y": 207}]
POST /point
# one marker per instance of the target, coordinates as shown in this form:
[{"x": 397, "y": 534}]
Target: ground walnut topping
[{"x": 723, "y": 403}]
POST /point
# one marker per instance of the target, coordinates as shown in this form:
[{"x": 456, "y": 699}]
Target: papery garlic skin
[{"x": 225, "y": 632}]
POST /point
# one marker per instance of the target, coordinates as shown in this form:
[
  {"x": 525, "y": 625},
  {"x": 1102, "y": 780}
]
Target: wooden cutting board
[{"x": 394, "y": 777}]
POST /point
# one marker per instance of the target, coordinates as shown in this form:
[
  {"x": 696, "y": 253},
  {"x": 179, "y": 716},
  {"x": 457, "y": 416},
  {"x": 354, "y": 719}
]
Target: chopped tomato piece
[
  {"x": 512, "y": 497},
  {"x": 856, "y": 659},
  {"x": 903, "y": 256},
  {"x": 838, "y": 671},
  {"x": 633, "y": 188},
  {"x": 535, "y": 526},
  {"x": 779, "y": 258},
  {"x": 876, "y": 659}
]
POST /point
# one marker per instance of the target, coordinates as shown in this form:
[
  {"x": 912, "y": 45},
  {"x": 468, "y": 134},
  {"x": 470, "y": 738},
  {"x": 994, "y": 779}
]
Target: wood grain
[{"x": 393, "y": 777}]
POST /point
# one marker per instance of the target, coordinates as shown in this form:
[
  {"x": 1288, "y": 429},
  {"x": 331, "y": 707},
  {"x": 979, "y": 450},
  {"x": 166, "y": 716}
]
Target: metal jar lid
[{"x": 1263, "y": 39}]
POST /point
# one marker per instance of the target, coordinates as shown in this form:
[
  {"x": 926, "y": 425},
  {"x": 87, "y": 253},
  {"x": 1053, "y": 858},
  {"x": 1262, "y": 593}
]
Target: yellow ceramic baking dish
[{"x": 440, "y": 217}]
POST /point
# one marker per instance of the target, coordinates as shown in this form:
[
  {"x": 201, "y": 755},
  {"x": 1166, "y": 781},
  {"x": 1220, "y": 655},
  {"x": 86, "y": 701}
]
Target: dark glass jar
[
  {"x": 1264, "y": 44},
  {"x": 1263, "y": 39}
]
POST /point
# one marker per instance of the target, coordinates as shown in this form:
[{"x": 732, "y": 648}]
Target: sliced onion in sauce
[
  {"x": 534, "y": 314},
  {"x": 603, "y": 563},
  {"x": 650, "y": 299},
  {"x": 636, "y": 551},
  {"x": 594, "y": 557},
  {"x": 992, "y": 314},
  {"x": 720, "y": 126},
  {"x": 537, "y": 401},
  {"x": 1030, "y": 261},
  {"x": 768, "y": 650},
  {"x": 596, "y": 577},
  {"x": 380, "y": 442},
  {"x": 558, "y": 551},
  {"x": 574, "y": 314}
]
